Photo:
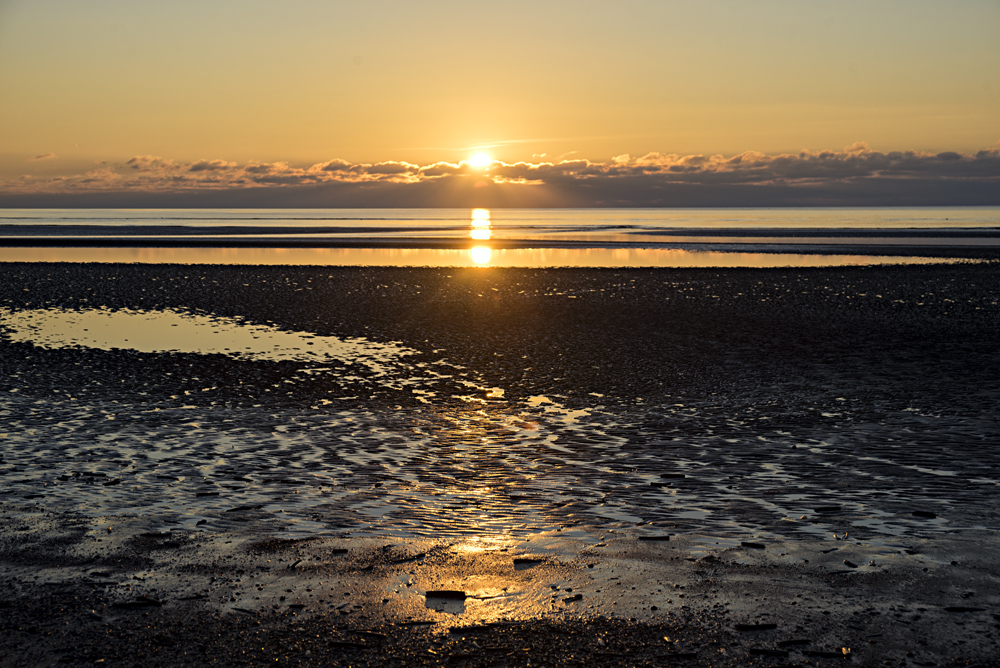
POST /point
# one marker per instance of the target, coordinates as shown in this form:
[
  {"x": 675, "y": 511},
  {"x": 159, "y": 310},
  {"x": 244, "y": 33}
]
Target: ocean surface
[
  {"x": 407, "y": 222},
  {"x": 502, "y": 237}
]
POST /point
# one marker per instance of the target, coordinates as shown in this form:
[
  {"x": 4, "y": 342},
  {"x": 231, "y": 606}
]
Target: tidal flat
[{"x": 485, "y": 466}]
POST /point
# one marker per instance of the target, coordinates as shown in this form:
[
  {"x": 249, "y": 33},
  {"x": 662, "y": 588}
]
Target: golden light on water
[
  {"x": 480, "y": 232},
  {"x": 481, "y": 255},
  {"x": 480, "y": 224}
]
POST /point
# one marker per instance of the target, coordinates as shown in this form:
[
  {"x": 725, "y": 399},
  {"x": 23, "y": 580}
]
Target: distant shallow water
[
  {"x": 480, "y": 256},
  {"x": 555, "y": 220},
  {"x": 503, "y": 237}
]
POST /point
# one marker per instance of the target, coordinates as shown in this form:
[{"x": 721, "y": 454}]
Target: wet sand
[{"x": 686, "y": 450}]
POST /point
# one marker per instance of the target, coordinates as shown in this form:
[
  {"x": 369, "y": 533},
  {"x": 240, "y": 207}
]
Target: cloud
[
  {"x": 43, "y": 156},
  {"x": 855, "y": 175},
  {"x": 391, "y": 168},
  {"x": 143, "y": 163},
  {"x": 333, "y": 166},
  {"x": 211, "y": 166}
]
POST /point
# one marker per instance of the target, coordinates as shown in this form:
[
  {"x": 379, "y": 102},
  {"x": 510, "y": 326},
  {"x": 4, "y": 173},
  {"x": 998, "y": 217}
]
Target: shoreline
[
  {"x": 987, "y": 248},
  {"x": 822, "y": 371}
]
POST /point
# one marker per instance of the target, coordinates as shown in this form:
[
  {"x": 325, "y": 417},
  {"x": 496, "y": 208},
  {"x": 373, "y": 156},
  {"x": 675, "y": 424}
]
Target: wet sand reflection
[{"x": 488, "y": 471}]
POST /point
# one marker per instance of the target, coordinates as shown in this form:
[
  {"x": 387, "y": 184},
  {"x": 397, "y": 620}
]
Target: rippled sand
[
  {"x": 418, "y": 440},
  {"x": 811, "y": 410}
]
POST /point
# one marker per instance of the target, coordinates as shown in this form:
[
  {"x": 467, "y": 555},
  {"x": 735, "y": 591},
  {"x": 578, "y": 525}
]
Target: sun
[{"x": 480, "y": 160}]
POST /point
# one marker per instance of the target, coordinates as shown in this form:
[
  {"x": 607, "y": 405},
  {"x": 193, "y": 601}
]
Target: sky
[{"x": 576, "y": 103}]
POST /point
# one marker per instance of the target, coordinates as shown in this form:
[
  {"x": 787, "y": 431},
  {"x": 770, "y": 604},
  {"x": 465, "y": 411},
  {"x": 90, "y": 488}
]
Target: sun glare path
[
  {"x": 480, "y": 225},
  {"x": 480, "y": 160},
  {"x": 481, "y": 255}
]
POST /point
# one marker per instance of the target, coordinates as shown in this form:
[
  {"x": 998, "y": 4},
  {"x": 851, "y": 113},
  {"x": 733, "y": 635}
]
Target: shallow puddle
[{"x": 175, "y": 331}]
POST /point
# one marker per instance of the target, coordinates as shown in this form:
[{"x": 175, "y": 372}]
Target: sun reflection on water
[
  {"x": 480, "y": 231},
  {"x": 484, "y": 543},
  {"x": 481, "y": 254},
  {"x": 480, "y": 225}
]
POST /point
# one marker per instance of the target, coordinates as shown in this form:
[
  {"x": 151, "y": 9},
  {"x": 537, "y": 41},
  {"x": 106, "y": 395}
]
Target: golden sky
[{"x": 305, "y": 82}]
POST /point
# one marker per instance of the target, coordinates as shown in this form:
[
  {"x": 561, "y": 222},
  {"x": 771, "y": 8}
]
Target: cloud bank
[{"x": 854, "y": 176}]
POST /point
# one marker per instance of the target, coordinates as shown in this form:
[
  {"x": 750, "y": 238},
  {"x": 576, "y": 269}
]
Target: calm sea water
[
  {"x": 533, "y": 221},
  {"x": 499, "y": 237}
]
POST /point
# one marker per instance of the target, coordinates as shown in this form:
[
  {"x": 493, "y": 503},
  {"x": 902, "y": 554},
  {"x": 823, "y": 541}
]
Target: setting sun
[{"x": 480, "y": 160}]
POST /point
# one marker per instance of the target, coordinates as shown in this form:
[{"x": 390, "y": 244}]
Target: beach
[
  {"x": 597, "y": 466},
  {"x": 475, "y": 335}
]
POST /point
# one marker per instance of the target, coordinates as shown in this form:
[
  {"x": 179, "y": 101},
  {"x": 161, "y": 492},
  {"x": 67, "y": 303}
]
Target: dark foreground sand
[{"x": 775, "y": 352}]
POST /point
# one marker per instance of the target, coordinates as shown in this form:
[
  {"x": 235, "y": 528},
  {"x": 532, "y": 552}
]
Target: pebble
[{"x": 451, "y": 594}]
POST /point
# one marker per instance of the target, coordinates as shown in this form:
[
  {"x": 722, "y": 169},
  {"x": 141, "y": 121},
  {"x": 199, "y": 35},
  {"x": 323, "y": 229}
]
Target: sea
[{"x": 503, "y": 237}]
